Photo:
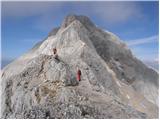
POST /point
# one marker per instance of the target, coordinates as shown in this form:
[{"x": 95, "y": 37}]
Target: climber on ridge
[
  {"x": 55, "y": 54},
  {"x": 78, "y": 75},
  {"x": 54, "y": 51}
]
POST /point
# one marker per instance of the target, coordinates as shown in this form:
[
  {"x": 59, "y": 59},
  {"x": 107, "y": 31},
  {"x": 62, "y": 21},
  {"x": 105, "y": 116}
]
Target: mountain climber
[
  {"x": 54, "y": 51},
  {"x": 55, "y": 54},
  {"x": 79, "y": 75}
]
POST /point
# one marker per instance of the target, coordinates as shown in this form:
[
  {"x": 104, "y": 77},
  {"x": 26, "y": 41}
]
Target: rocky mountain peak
[
  {"x": 69, "y": 19},
  {"x": 83, "y": 19},
  {"x": 113, "y": 84}
]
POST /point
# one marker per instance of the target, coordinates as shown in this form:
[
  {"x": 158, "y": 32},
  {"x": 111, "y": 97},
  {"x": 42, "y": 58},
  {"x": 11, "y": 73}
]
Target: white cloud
[
  {"x": 147, "y": 40},
  {"x": 111, "y": 12},
  {"x": 106, "y": 11},
  {"x": 44, "y": 13},
  {"x": 25, "y": 9},
  {"x": 156, "y": 60},
  {"x": 116, "y": 12}
]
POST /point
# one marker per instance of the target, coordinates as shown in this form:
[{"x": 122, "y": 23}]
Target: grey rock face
[
  {"x": 54, "y": 31},
  {"x": 83, "y": 19},
  {"x": 114, "y": 83}
]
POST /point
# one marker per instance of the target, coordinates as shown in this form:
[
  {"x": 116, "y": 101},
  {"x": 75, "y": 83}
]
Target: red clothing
[{"x": 79, "y": 75}]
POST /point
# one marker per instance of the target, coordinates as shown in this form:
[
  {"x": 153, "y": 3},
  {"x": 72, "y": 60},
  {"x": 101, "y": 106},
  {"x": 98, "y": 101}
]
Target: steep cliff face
[{"x": 114, "y": 84}]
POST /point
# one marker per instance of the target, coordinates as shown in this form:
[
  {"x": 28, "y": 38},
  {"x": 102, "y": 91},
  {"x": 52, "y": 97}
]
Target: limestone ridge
[
  {"x": 115, "y": 84},
  {"x": 83, "y": 19}
]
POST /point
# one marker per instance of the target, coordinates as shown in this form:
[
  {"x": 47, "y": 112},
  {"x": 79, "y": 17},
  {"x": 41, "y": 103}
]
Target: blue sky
[{"x": 26, "y": 23}]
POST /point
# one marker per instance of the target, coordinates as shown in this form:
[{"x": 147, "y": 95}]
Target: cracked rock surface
[{"x": 114, "y": 84}]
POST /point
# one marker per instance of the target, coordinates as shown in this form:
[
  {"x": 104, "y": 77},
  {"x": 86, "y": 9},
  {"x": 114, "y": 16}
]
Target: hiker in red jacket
[{"x": 79, "y": 75}]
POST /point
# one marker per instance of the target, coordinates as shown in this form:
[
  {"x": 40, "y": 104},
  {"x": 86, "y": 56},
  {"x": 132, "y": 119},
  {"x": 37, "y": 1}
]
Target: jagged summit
[
  {"x": 83, "y": 19},
  {"x": 71, "y": 18},
  {"x": 114, "y": 83}
]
